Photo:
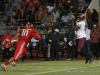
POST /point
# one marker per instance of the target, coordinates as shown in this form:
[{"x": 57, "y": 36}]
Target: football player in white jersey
[{"x": 81, "y": 36}]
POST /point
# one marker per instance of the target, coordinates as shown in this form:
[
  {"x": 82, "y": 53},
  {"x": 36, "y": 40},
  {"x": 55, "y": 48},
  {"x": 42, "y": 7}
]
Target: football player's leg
[
  {"x": 14, "y": 62},
  {"x": 82, "y": 52}
]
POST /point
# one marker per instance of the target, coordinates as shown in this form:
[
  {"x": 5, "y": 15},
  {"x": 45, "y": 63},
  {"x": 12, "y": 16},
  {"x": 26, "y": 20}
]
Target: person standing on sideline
[
  {"x": 81, "y": 36},
  {"x": 95, "y": 35},
  {"x": 70, "y": 40},
  {"x": 86, "y": 46},
  {"x": 53, "y": 39},
  {"x": 5, "y": 41},
  {"x": 45, "y": 45}
]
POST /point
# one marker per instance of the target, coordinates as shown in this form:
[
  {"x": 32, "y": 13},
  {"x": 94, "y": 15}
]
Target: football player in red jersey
[{"x": 24, "y": 36}]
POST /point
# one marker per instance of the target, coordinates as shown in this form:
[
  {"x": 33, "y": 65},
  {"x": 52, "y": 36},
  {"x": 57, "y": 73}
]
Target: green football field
[{"x": 53, "y": 68}]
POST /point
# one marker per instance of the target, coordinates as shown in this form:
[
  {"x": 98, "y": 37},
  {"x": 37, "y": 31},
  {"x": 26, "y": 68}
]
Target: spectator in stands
[
  {"x": 22, "y": 6},
  {"x": 66, "y": 6},
  {"x": 15, "y": 13},
  {"x": 61, "y": 4},
  {"x": 64, "y": 19},
  {"x": 22, "y": 17},
  {"x": 45, "y": 45},
  {"x": 33, "y": 13},
  {"x": 82, "y": 2},
  {"x": 30, "y": 6},
  {"x": 39, "y": 14},
  {"x": 95, "y": 35},
  {"x": 86, "y": 46},
  {"x": 45, "y": 20},
  {"x": 27, "y": 2},
  {"x": 11, "y": 20},
  {"x": 55, "y": 14},
  {"x": 5, "y": 41},
  {"x": 81, "y": 9},
  {"x": 52, "y": 20},
  {"x": 36, "y": 3},
  {"x": 50, "y": 8},
  {"x": 43, "y": 3},
  {"x": 89, "y": 18},
  {"x": 95, "y": 16}
]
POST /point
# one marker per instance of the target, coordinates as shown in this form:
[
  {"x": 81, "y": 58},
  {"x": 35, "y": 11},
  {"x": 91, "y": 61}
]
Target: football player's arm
[
  {"x": 34, "y": 33},
  {"x": 98, "y": 36},
  {"x": 75, "y": 27},
  {"x": 37, "y": 36},
  {"x": 15, "y": 37}
]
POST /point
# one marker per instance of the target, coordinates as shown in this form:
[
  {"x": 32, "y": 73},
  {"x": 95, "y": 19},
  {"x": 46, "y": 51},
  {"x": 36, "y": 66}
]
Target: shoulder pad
[{"x": 34, "y": 30}]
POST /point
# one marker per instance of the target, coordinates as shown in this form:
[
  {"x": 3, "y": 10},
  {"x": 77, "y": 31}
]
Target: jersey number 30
[{"x": 24, "y": 33}]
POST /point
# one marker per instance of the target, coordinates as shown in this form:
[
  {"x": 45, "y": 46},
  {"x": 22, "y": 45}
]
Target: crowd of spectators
[{"x": 46, "y": 11}]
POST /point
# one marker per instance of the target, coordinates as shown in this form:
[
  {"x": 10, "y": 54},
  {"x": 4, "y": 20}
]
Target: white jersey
[{"x": 81, "y": 32}]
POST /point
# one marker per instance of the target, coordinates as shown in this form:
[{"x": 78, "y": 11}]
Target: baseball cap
[
  {"x": 94, "y": 25},
  {"x": 8, "y": 30}
]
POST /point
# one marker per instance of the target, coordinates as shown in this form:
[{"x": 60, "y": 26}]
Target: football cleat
[
  {"x": 3, "y": 67},
  {"x": 87, "y": 59},
  {"x": 13, "y": 63},
  {"x": 91, "y": 59}
]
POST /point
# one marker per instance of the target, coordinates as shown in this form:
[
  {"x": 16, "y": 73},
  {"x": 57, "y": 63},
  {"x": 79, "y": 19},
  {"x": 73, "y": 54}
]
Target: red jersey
[
  {"x": 22, "y": 6},
  {"x": 89, "y": 15},
  {"x": 41, "y": 12},
  {"x": 27, "y": 2},
  {"x": 30, "y": 6},
  {"x": 36, "y": 2},
  {"x": 15, "y": 13},
  {"x": 95, "y": 39},
  {"x": 27, "y": 34},
  {"x": 7, "y": 39}
]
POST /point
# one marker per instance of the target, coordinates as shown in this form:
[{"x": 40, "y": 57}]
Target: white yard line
[{"x": 61, "y": 70}]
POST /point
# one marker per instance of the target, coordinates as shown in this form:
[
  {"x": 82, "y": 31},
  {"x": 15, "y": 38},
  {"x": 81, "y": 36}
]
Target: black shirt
[
  {"x": 70, "y": 34},
  {"x": 53, "y": 36}
]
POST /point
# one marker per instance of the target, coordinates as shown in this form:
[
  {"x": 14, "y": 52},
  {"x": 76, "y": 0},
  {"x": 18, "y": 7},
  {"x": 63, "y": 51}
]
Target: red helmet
[{"x": 29, "y": 26}]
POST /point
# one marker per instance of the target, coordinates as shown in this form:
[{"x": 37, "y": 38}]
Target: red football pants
[{"x": 20, "y": 49}]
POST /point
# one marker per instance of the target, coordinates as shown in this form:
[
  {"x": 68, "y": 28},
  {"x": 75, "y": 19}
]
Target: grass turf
[{"x": 53, "y": 68}]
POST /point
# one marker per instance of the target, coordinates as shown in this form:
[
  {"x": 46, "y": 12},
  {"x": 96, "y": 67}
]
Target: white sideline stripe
[{"x": 61, "y": 70}]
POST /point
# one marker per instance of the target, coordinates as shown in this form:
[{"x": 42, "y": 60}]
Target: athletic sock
[
  {"x": 15, "y": 61},
  {"x": 85, "y": 54},
  {"x": 6, "y": 63}
]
